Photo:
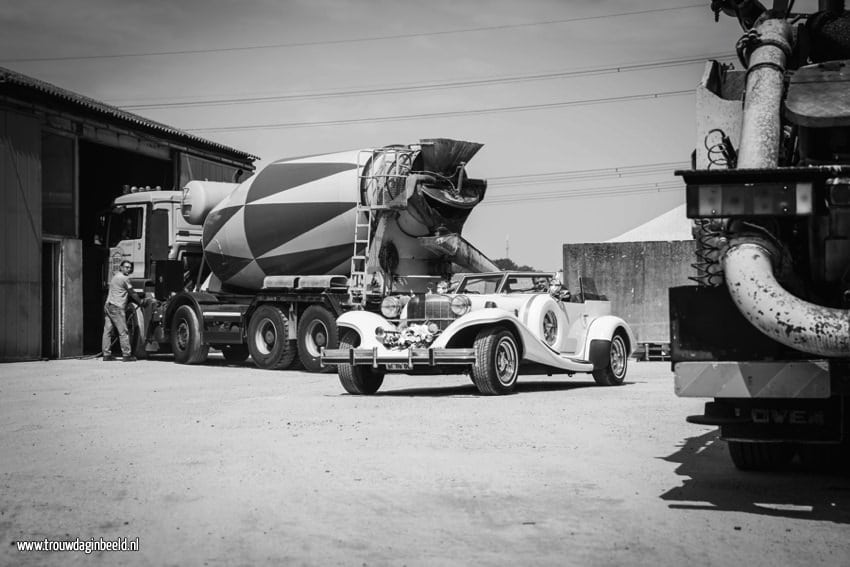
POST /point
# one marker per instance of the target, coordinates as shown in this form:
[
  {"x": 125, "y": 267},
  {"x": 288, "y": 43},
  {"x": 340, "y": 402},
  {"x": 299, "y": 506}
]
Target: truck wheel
[
  {"x": 267, "y": 339},
  {"x": 135, "y": 328},
  {"x": 760, "y": 456},
  {"x": 316, "y": 330},
  {"x": 235, "y": 353},
  {"x": 186, "y": 337},
  {"x": 496, "y": 365},
  {"x": 359, "y": 380},
  {"x": 614, "y": 371}
]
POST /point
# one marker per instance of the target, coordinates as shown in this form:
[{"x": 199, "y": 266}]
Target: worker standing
[{"x": 120, "y": 289}]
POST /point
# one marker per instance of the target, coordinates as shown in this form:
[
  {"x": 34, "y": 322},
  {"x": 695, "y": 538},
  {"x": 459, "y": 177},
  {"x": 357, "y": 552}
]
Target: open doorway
[{"x": 104, "y": 170}]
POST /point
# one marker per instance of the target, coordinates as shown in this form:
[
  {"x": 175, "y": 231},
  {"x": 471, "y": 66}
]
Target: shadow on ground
[
  {"x": 522, "y": 387},
  {"x": 711, "y": 482}
]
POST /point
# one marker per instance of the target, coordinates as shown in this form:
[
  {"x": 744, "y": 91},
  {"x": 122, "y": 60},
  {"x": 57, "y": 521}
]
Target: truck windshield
[{"x": 125, "y": 224}]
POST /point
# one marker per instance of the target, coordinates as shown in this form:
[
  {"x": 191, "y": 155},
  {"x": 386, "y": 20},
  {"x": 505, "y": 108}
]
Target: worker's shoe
[
  {"x": 108, "y": 358},
  {"x": 129, "y": 358}
]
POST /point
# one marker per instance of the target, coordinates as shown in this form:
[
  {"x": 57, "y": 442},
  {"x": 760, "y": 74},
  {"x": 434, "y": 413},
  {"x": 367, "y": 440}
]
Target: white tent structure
[{"x": 672, "y": 225}]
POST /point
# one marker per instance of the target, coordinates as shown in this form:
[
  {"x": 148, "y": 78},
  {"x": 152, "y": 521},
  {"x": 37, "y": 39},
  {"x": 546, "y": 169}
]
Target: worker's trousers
[{"x": 115, "y": 319}]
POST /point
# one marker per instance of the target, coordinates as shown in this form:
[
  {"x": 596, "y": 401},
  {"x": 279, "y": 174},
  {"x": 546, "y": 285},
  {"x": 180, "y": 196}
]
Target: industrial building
[{"x": 63, "y": 158}]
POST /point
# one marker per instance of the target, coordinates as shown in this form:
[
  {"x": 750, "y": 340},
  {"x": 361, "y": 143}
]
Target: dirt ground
[{"x": 231, "y": 465}]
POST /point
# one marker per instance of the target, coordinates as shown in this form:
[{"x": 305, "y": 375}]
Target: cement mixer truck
[
  {"x": 765, "y": 333},
  {"x": 282, "y": 254}
]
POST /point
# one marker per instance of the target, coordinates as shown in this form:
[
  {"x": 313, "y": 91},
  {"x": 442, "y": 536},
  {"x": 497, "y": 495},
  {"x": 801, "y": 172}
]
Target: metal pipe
[
  {"x": 760, "y": 131},
  {"x": 785, "y": 318}
]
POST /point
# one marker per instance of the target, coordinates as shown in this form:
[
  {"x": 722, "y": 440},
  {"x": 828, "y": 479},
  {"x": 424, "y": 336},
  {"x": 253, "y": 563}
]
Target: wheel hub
[
  {"x": 182, "y": 335},
  {"x": 505, "y": 362},
  {"x": 316, "y": 338}
]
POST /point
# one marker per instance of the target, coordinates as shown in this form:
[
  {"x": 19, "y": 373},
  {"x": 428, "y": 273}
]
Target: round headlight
[
  {"x": 460, "y": 305},
  {"x": 391, "y": 307}
]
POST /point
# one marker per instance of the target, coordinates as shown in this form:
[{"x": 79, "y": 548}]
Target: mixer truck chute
[
  {"x": 765, "y": 332},
  {"x": 306, "y": 239}
]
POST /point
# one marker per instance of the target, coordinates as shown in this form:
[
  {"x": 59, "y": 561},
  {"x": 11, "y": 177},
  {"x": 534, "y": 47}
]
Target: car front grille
[{"x": 433, "y": 308}]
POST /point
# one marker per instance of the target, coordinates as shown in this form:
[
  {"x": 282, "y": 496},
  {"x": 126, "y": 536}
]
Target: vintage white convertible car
[{"x": 492, "y": 325}]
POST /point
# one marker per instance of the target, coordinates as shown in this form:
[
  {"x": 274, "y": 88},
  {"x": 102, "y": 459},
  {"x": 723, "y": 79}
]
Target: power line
[
  {"x": 399, "y": 117},
  {"x": 419, "y": 87},
  {"x": 582, "y": 174},
  {"x": 586, "y": 192},
  {"x": 346, "y": 41}
]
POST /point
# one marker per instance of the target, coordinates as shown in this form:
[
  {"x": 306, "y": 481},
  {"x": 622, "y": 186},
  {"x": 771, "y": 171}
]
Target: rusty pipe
[
  {"x": 761, "y": 128},
  {"x": 785, "y": 318}
]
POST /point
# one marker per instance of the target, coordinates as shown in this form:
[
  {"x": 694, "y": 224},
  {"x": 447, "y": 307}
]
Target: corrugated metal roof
[{"x": 7, "y": 76}]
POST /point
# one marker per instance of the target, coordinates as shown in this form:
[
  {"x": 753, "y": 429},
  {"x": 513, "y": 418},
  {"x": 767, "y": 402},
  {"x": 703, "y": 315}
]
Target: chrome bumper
[{"x": 399, "y": 360}]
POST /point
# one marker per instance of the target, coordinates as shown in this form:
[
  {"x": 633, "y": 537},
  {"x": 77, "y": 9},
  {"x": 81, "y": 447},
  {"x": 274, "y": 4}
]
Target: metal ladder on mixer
[
  {"x": 360, "y": 256},
  {"x": 396, "y": 163}
]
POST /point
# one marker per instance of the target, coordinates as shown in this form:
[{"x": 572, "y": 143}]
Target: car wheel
[
  {"x": 613, "y": 373},
  {"x": 547, "y": 320},
  {"x": 359, "y": 380},
  {"x": 496, "y": 365},
  {"x": 316, "y": 330},
  {"x": 186, "y": 337},
  {"x": 267, "y": 339}
]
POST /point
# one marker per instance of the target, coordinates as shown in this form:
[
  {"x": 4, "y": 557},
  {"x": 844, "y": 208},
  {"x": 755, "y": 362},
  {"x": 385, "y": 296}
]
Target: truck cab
[{"x": 146, "y": 227}]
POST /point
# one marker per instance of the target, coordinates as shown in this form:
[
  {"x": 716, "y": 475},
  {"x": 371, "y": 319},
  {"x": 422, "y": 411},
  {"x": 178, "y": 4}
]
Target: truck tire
[
  {"x": 613, "y": 373},
  {"x": 186, "y": 337},
  {"x": 760, "y": 456},
  {"x": 267, "y": 339},
  {"x": 235, "y": 353},
  {"x": 136, "y": 329},
  {"x": 496, "y": 365},
  {"x": 358, "y": 380},
  {"x": 316, "y": 330}
]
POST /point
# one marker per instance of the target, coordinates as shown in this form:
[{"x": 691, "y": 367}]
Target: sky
[{"x": 585, "y": 107}]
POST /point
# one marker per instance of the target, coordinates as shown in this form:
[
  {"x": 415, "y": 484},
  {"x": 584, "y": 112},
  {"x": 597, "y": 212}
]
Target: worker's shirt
[{"x": 118, "y": 288}]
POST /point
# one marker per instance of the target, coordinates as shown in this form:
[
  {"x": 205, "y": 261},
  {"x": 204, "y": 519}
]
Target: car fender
[
  {"x": 603, "y": 328},
  {"x": 480, "y": 318},
  {"x": 364, "y": 324},
  {"x": 533, "y": 348}
]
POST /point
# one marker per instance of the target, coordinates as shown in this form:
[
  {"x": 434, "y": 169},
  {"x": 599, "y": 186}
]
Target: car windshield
[
  {"x": 479, "y": 284},
  {"x": 527, "y": 284}
]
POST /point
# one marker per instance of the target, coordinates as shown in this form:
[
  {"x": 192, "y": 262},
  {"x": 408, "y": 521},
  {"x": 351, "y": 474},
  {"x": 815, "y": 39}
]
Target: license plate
[{"x": 398, "y": 366}]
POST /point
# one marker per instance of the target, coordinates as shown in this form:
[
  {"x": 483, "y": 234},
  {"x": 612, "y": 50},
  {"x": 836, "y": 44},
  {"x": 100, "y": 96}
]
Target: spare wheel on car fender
[{"x": 547, "y": 321}]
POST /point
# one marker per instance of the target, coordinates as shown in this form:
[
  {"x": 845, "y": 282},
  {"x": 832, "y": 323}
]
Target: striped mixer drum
[{"x": 297, "y": 215}]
